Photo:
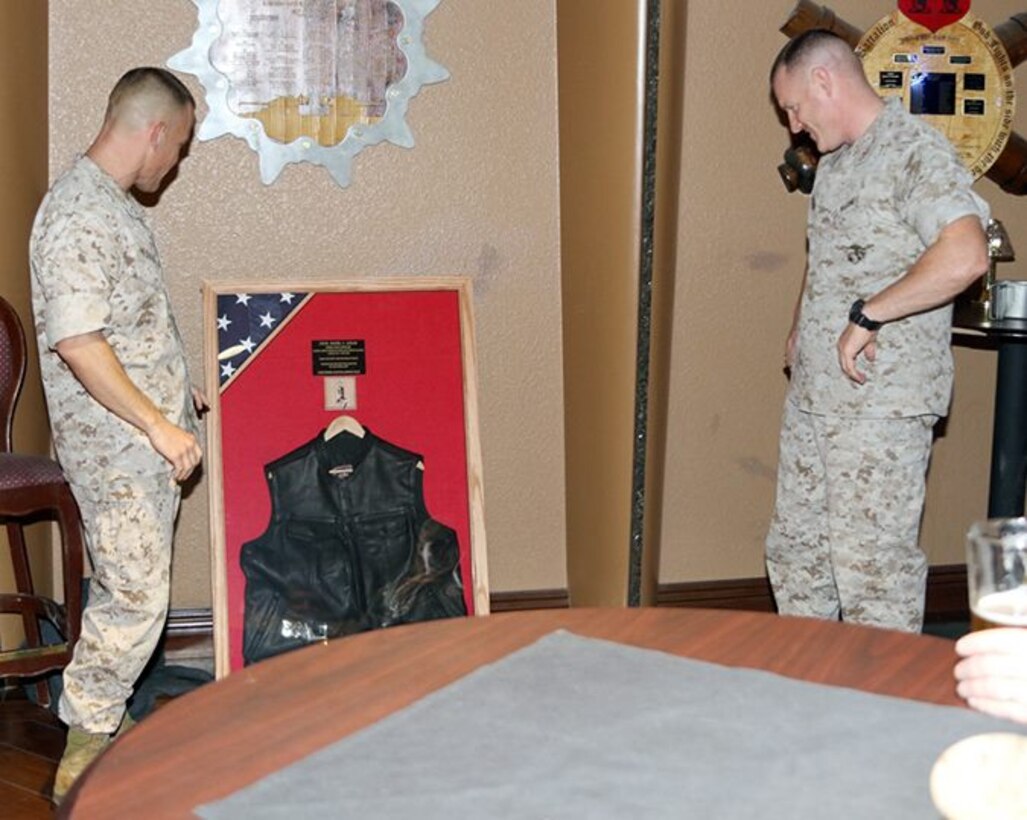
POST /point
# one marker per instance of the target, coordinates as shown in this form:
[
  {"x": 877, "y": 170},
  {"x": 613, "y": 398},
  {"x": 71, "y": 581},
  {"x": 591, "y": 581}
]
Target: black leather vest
[{"x": 350, "y": 547}]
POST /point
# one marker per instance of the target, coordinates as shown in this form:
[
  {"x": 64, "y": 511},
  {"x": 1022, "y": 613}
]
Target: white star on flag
[{"x": 253, "y": 317}]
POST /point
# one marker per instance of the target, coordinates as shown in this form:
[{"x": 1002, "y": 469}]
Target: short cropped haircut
[
  {"x": 152, "y": 82},
  {"x": 799, "y": 49}
]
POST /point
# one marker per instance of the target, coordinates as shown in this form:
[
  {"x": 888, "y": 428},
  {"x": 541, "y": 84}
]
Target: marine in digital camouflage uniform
[
  {"x": 893, "y": 222},
  {"x": 118, "y": 393}
]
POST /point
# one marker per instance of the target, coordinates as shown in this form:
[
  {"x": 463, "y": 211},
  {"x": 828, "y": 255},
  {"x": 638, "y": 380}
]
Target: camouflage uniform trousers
[
  {"x": 844, "y": 537},
  {"x": 129, "y": 538}
]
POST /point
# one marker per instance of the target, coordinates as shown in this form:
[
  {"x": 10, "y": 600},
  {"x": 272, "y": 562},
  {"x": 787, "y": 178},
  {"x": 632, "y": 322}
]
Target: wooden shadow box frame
[{"x": 283, "y": 360}]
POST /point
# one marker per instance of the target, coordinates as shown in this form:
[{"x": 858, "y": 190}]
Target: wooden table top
[{"x": 209, "y": 743}]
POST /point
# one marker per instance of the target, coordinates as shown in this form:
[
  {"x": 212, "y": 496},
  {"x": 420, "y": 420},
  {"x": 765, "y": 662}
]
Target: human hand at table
[{"x": 992, "y": 675}]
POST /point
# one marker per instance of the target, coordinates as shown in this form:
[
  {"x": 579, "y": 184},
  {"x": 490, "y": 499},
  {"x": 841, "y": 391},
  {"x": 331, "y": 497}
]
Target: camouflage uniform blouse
[
  {"x": 95, "y": 267},
  {"x": 876, "y": 206}
]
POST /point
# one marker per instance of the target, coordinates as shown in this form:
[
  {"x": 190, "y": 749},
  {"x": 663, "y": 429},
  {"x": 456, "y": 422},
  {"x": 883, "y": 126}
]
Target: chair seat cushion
[{"x": 18, "y": 470}]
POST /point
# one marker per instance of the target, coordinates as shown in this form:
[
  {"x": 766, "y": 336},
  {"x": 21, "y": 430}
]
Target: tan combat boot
[{"x": 81, "y": 749}]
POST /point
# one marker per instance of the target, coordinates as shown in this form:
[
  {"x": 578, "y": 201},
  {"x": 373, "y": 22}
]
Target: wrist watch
[{"x": 858, "y": 317}]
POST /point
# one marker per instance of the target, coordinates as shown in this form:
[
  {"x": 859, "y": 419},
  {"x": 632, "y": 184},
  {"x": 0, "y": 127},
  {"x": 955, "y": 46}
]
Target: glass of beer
[{"x": 996, "y": 565}]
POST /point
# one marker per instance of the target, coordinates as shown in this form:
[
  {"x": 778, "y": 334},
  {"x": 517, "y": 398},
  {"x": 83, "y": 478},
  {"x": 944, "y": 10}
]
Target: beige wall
[
  {"x": 739, "y": 263},
  {"x": 477, "y": 196},
  {"x": 23, "y": 171}
]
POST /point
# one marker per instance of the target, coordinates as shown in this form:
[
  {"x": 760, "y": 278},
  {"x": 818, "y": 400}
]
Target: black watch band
[{"x": 858, "y": 317}]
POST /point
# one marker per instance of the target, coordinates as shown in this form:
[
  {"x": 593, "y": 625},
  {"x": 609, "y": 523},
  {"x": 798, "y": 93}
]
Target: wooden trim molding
[
  {"x": 188, "y": 622},
  {"x": 946, "y": 601},
  {"x": 740, "y": 593},
  {"x": 190, "y": 634},
  {"x": 185, "y": 626},
  {"x": 946, "y": 594},
  {"x": 530, "y": 599}
]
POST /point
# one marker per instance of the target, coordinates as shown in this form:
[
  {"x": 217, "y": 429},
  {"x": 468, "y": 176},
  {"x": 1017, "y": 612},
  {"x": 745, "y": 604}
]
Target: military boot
[{"x": 81, "y": 749}]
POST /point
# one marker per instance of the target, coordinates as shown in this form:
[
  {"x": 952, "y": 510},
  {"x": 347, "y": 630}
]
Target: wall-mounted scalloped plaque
[{"x": 309, "y": 80}]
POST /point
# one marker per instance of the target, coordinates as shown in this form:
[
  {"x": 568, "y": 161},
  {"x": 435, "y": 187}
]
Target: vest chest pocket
[
  {"x": 384, "y": 542},
  {"x": 320, "y": 570},
  {"x": 309, "y": 529}
]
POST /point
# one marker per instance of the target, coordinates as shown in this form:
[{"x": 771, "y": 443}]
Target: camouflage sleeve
[
  {"x": 936, "y": 191},
  {"x": 74, "y": 270}
]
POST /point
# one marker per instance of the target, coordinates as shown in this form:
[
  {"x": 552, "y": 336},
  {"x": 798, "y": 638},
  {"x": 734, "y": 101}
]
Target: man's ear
[
  {"x": 157, "y": 131},
  {"x": 821, "y": 79}
]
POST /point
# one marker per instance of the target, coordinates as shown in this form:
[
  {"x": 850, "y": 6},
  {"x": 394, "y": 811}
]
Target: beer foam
[{"x": 1007, "y": 608}]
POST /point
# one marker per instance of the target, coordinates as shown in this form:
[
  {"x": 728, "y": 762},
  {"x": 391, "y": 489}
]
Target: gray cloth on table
[{"x": 573, "y": 727}]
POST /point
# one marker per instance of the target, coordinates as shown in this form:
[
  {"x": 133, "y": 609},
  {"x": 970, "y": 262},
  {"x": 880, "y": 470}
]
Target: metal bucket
[{"x": 1009, "y": 299}]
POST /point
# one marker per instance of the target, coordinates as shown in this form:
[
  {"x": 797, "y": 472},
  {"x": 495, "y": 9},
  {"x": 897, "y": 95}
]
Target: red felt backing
[{"x": 411, "y": 396}]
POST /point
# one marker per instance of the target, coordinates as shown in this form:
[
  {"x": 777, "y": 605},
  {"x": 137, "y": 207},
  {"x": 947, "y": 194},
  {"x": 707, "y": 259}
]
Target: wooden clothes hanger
[
  {"x": 344, "y": 424},
  {"x": 348, "y": 424}
]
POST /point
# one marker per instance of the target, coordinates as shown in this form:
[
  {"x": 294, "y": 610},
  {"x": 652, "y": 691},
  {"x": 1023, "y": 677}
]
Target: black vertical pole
[
  {"x": 645, "y": 288},
  {"x": 1009, "y": 438}
]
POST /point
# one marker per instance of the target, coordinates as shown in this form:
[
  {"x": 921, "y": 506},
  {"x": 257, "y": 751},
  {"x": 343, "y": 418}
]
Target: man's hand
[
  {"x": 199, "y": 400},
  {"x": 958, "y": 256},
  {"x": 992, "y": 675},
  {"x": 177, "y": 446},
  {"x": 853, "y": 341},
  {"x": 790, "y": 346}
]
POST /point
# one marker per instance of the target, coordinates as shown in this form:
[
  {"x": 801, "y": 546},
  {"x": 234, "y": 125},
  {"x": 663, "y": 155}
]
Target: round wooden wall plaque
[{"x": 959, "y": 78}]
